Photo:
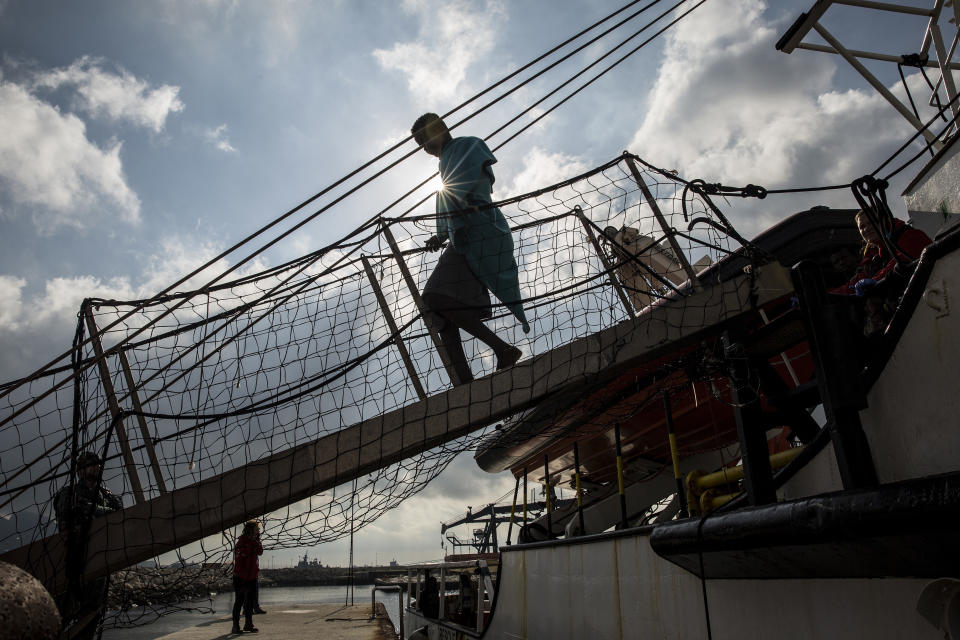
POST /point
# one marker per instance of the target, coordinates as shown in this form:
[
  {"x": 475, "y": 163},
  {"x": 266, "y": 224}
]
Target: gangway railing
[
  {"x": 188, "y": 514},
  {"x": 298, "y": 401}
]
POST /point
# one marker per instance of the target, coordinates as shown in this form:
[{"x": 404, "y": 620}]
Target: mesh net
[{"x": 176, "y": 392}]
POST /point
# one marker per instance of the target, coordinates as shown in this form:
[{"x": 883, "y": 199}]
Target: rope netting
[{"x": 194, "y": 385}]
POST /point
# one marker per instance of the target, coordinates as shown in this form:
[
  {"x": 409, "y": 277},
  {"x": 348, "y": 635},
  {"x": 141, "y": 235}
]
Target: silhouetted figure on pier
[
  {"x": 246, "y": 568},
  {"x": 479, "y": 257},
  {"x": 75, "y": 507}
]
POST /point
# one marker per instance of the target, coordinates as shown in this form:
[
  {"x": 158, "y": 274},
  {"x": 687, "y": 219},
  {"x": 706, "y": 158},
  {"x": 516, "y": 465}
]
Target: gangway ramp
[{"x": 185, "y": 515}]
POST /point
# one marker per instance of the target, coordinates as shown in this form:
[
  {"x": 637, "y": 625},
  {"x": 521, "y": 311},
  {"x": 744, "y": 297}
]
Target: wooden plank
[
  {"x": 114, "y": 407},
  {"x": 142, "y": 531}
]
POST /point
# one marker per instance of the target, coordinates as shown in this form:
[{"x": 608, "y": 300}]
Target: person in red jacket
[
  {"x": 246, "y": 567},
  {"x": 871, "y": 280}
]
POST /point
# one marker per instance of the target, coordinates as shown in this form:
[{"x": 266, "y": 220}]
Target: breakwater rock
[{"x": 146, "y": 586}]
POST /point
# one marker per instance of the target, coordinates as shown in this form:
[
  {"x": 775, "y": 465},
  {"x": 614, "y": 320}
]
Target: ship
[
  {"x": 744, "y": 456},
  {"x": 770, "y": 473}
]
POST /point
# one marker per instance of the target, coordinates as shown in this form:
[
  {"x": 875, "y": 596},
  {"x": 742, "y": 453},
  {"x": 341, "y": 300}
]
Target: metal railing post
[
  {"x": 546, "y": 494},
  {"x": 524, "y": 496},
  {"x": 513, "y": 508},
  {"x": 836, "y": 365},
  {"x": 114, "y": 406},
  {"x": 675, "y": 456},
  {"x": 666, "y": 228},
  {"x": 401, "y": 346},
  {"x": 606, "y": 264},
  {"x": 415, "y": 294},
  {"x": 576, "y": 466},
  {"x": 757, "y": 475},
  {"x": 442, "y": 595},
  {"x": 620, "y": 487},
  {"x": 945, "y": 73},
  {"x": 144, "y": 429}
]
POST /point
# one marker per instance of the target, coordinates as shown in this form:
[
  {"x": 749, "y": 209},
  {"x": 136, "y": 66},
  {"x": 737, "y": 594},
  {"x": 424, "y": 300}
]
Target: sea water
[{"x": 274, "y": 598}]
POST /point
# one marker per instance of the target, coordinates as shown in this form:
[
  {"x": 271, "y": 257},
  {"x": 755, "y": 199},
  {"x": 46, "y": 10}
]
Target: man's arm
[{"x": 466, "y": 175}]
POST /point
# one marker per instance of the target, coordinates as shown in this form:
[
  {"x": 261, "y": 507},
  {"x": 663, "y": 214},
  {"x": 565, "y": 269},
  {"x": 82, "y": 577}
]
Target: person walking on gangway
[{"x": 479, "y": 257}]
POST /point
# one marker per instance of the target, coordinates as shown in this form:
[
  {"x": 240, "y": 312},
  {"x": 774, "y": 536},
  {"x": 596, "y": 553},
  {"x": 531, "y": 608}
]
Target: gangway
[
  {"x": 589, "y": 332},
  {"x": 131, "y": 535}
]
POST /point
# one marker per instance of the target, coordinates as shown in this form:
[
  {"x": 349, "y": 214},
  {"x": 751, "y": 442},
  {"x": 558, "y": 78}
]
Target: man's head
[
  {"x": 251, "y": 528},
  {"x": 431, "y": 133},
  {"x": 88, "y": 467}
]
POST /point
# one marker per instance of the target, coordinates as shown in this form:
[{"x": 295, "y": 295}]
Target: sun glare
[{"x": 436, "y": 184}]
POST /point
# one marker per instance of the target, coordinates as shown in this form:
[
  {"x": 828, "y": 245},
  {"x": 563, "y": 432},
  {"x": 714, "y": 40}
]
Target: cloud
[
  {"x": 119, "y": 95},
  {"x": 541, "y": 168},
  {"x": 453, "y": 36},
  {"x": 726, "y": 107},
  {"x": 50, "y": 167},
  {"x": 217, "y": 136},
  {"x": 275, "y": 27},
  {"x": 11, "y": 303}
]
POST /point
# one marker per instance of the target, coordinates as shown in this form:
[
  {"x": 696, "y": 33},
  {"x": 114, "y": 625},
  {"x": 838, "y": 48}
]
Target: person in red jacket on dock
[{"x": 246, "y": 567}]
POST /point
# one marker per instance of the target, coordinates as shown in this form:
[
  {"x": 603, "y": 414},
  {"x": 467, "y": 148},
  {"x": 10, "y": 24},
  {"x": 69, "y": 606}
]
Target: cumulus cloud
[
  {"x": 113, "y": 95},
  {"x": 11, "y": 303},
  {"x": 217, "y": 136},
  {"x": 453, "y": 36},
  {"x": 726, "y": 107},
  {"x": 51, "y": 168},
  {"x": 542, "y": 168}
]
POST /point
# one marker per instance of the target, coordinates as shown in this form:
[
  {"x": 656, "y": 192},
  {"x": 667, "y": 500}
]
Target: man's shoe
[
  {"x": 236, "y": 628},
  {"x": 249, "y": 628},
  {"x": 508, "y": 358},
  {"x": 258, "y": 610}
]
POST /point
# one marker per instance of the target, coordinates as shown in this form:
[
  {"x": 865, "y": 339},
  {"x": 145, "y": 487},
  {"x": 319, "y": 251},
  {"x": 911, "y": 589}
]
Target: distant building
[{"x": 394, "y": 564}]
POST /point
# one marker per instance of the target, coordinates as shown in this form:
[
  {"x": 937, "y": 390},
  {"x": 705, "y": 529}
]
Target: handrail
[{"x": 387, "y": 588}]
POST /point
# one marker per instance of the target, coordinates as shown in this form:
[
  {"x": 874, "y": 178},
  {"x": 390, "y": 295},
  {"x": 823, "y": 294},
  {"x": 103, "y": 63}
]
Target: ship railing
[
  {"x": 486, "y": 591},
  {"x": 933, "y": 36}
]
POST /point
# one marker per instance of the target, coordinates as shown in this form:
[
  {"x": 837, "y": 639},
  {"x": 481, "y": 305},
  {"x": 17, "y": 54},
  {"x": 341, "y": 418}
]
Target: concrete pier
[{"x": 327, "y": 621}]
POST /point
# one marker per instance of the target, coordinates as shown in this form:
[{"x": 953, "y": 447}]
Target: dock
[{"x": 328, "y": 621}]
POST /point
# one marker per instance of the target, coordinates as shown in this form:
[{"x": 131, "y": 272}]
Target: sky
[{"x": 141, "y": 138}]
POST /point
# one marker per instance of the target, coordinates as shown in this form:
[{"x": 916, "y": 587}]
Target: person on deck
[
  {"x": 430, "y": 603},
  {"x": 75, "y": 507},
  {"x": 876, "y": 279},
  {"x": 466, "y": 610},
  {"x": 479, "y": 257},
  {"x": 246, "y": 568}
]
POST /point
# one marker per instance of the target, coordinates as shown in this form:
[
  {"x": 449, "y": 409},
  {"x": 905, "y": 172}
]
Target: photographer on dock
[{"x": 246, "y": 568}]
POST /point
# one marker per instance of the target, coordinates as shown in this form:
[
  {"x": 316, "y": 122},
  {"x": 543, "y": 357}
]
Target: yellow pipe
[
  {"x": 712, "y": 499},
  {"x": 675, "y": 455},
  {"x": 701, "y": 483}
]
